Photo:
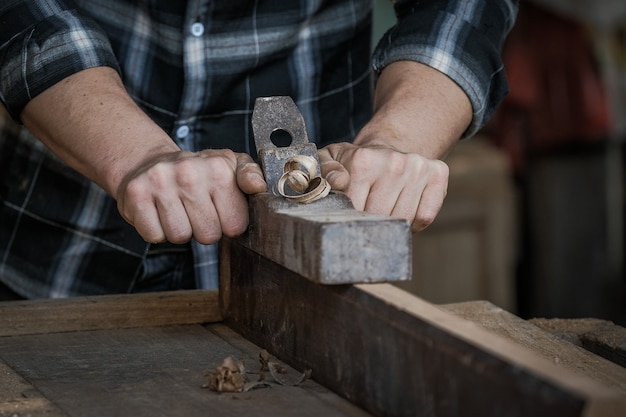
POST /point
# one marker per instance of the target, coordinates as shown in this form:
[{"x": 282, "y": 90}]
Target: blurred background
[{"x": 534, "y": 219}]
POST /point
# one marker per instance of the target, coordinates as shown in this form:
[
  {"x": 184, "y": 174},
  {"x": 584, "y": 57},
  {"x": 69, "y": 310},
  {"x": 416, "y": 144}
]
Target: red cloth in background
[{"x": 556, "y": 94}]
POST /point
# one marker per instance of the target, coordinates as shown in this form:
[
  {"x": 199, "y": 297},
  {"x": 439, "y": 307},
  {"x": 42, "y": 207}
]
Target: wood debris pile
[{"x": 232, "y": 376}]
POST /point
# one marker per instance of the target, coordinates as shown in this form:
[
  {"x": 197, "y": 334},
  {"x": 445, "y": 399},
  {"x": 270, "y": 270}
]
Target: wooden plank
[
  {"x": 557, "y": 350},
  {"x": 154, "y": 371},
  {"x": 394, "y": 354},
  {"x": 108, "y": 312},
  {"x": 328, "y": 241}
]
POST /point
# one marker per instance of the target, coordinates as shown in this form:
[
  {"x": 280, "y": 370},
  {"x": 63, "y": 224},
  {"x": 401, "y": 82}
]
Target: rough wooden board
[
  {"x": 108, "y": 312},
  {"x": 154, "y": 372},
  {"x": 328, "y": 241},
  {"x": 19, "y": 398},
  {"x": 602, "y": 337},
  {"x": 394, "y": 354},
  {"x": 560, "y": 352}
]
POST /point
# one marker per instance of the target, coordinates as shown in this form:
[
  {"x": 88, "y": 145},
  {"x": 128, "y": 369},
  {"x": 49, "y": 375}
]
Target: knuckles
[{"x": 187, "y": 176}]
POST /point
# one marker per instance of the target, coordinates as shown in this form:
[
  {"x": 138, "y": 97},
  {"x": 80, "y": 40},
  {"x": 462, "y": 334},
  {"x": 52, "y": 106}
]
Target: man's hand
[
  {"x": 92, "y": 124},
  {"x": 394, "y": 165},
  {"x": 382, "y": 180},
  {"x": 181, "y": 195}
]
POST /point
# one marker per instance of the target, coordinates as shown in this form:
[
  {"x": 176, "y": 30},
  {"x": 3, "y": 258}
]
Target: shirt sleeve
[
  {"x": 462, "y": 39},
  {"x": 43, "y": 42}
]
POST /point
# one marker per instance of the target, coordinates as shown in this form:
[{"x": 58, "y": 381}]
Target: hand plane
[{"x": 326, "y": 240}]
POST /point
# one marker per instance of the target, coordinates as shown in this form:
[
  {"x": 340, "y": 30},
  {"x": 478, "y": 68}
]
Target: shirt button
[
  {"x": 182, "y": 131},
  {"x": 197, "y": 29}
]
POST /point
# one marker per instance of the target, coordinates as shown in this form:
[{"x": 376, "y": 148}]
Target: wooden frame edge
[
  {"x": 109, "y": 312},
  {"x": 394, "y": 354}
]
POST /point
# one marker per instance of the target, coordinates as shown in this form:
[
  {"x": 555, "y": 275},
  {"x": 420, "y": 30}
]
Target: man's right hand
[
  {"x": 93, "y": 125},
  {"x": 181, "y": 195}
]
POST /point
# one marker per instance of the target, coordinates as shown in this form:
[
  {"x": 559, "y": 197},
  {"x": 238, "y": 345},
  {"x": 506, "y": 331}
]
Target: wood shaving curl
[
  {"x": 278, "y": 371},
  {"x": 231, "y": 375},
  {"x": 298, "y": 171}
]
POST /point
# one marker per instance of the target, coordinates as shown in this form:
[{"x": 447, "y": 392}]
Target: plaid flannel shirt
[{"x": 196, "y": 68}]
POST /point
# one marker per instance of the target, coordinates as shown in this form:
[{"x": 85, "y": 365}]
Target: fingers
[
  {"x": 138, "y": 206},
  {"x": 432, "y": 197},
  {"x": 249, "y": 175},
  {"x": 229, "y": 201},
  {"x": 417, "y": 195},
  {"x": 391, "y": 175},
  {"x": 184, "y": 195},
  {"x": 192, "y": 202},
  {"x": 142, "y": 214},
  {"x": 384, "y": 181},
  {"x": 203, "y": 195},
  {"x": 336, "y": 174}
]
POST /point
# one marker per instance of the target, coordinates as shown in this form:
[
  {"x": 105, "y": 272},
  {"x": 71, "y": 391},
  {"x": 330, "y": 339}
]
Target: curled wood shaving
[
  {"x": 298, "y": 171},
  {"x": 231, "y": 375},
  {"x": 228, "y": 377},
  {"x": 277, "y": 371}
]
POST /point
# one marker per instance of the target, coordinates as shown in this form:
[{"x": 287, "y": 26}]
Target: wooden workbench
[
  {"x": 372, "y": 348},
  {"x": 135, "y": 355},
  {"x": 393, "y": 354}
]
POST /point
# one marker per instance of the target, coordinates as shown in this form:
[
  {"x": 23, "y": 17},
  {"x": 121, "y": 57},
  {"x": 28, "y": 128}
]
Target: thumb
[
  {"x": 333, "y": 171},
  {"x": 249, "y": 175}
]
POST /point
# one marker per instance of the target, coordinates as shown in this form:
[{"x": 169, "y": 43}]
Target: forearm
[
  {"x": 416, "y": 109},
  {"x": 91, "y": 123},
  {"x": 459, "y": 38}
]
